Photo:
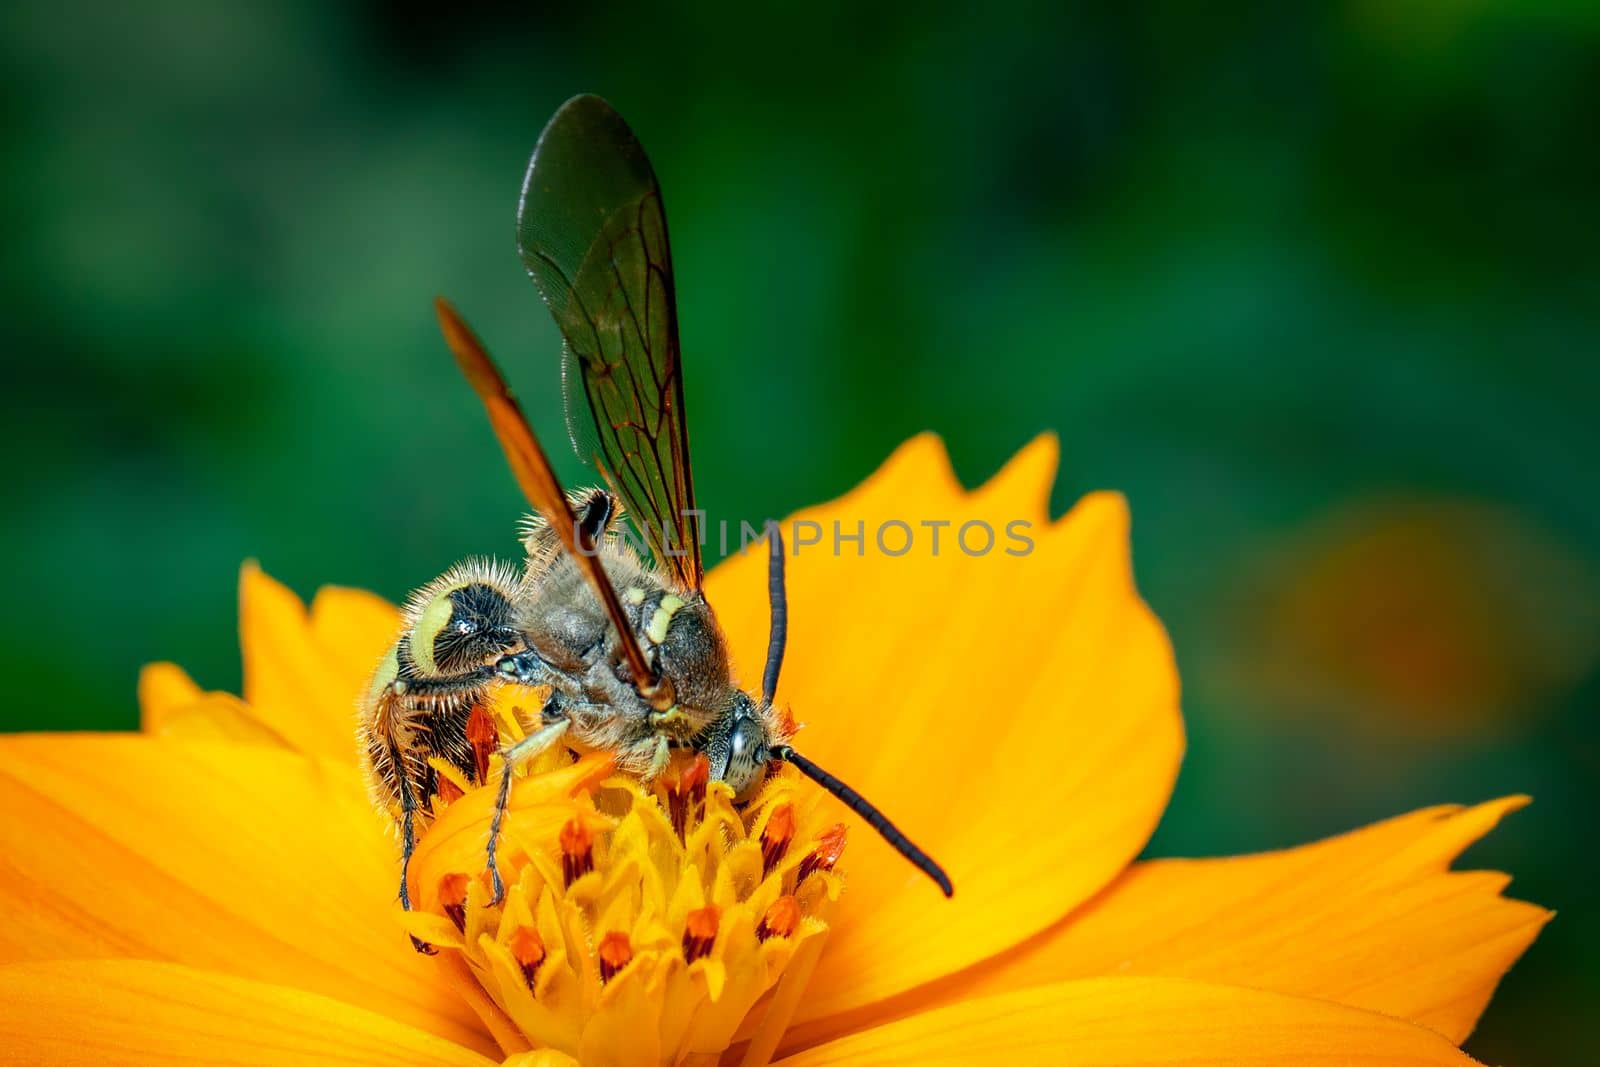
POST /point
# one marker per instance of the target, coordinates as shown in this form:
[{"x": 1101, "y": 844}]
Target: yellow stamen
[
  {"x": 639, "y": 927},
  {"x": 505, "y": 1032}
]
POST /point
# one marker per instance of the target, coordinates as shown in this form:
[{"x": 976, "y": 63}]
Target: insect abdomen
[
  {"x": 422, "y": 694},
  {"x": 402, "y": 728}
]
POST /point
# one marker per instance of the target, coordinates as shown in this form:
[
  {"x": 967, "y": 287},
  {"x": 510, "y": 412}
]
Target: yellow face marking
[
  {"x": 634, "y": 595},
  {"x": 657, "y": 630},
  {"x": 433, "y": 620}
]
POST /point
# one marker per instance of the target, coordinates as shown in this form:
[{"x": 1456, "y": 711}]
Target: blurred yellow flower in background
[{"x": 217, "y": 888}]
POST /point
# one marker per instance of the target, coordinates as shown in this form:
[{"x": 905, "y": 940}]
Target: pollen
[{"x": 668, "y": 907}]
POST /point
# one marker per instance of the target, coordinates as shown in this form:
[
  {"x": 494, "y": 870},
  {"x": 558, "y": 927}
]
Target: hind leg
[
  {"x": 408, "y": 842},
  {"x": 396, "y": 744}
]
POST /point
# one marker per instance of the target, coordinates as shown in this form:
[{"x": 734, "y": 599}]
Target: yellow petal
[
  {"x": 1373, "y": 919},
  {"x": 95, "y": 1012},
  {"x": 162, "y": 688},
  {"x": 542, "y": 1057},
  {"x": 241, "y": 859},
  {"x": 353, "y": 628},
  {"x": 1017, "y": 716},
  {"x": 172, "y": 705},
  {"x": 291, "y": 682},
  {"x": 1137, "y": 1022},
  {"x": 215, "y": 717}
]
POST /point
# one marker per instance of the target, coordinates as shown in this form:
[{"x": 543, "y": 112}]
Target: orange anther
[
  {"x": 700, "y": 932},
  {"x": 826, "y": 853},
  {"x": 686, "y": 790},
  {"x": 527, "y": 948},
  {"x": 775, "y": 837},
  {"x": 780, "y": 920},
  {"x": 615, "y": 953},
  {"x": 577, "y": 850},
  {"x": 453, "y": 898}
]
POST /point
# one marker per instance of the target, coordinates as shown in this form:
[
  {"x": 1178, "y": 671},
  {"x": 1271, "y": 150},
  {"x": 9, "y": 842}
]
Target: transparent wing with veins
[
  {"x": 534, "y": 474},
  {"x": 593, "y": 234}
]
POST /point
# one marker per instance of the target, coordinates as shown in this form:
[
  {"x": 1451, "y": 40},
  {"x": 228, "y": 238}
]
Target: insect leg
[
  {"x": 408, "y": 843},
  {"x": 408, "y": 833},
  {"x": 528, "y": 747},
  {"x": 660, "y": 758}
]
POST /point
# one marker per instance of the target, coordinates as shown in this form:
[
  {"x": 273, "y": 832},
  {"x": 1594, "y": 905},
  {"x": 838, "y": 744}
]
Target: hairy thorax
[{"x": 592, "y": 684}]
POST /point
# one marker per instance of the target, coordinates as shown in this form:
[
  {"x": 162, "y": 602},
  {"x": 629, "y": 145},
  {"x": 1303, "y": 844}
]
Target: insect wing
[
  {"x": 593, "y": 234},
  {"x": 534, "y": 474}
]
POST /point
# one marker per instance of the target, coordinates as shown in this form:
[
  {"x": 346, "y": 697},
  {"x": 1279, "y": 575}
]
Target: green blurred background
[{"x": 1314, "y": 285}]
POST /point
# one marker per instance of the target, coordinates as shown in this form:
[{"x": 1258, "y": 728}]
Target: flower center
[{"x": 639, "y": 925}]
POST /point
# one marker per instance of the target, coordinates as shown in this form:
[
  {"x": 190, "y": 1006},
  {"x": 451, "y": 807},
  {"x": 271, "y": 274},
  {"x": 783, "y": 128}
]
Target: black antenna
[
  {"x": 778, "y": 635},
  {"x": 875, "y": 818}
]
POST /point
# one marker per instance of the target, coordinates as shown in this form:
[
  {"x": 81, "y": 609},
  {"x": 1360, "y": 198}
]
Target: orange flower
[{"x": 218, "y": 889}]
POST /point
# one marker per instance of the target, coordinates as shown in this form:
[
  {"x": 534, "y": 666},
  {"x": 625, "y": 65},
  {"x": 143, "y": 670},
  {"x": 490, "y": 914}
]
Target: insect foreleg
[
  {"x": 659, "y": 758},
  {"x": 527, "y": 748}
]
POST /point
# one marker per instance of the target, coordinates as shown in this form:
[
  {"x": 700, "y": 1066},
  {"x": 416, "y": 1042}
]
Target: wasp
[{"x": 620, "y": 637}]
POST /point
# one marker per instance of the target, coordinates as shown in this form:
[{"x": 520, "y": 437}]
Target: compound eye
[
  {"x": 747, "y": 757},
  {"x": 744, "y": 742}
]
